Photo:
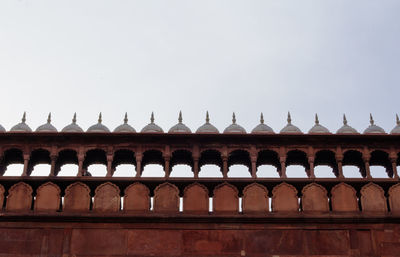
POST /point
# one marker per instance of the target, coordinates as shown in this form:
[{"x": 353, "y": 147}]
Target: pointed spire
[
  {"x": 126, "y": 118},
  {"x": 233, "y": 118},
  {"x": 100, "y": 120},
  {"x": 180, "y": 117},
  {"x": 344, "y": 120},
  {"x": 289, "y": 118},
  {"x": 371, "y": 119},
  {"x": 207, "y": 118},
  {"x": 397, "y": 120},
  {"x": 49, "y": 118},
  {"x": 152, "y": 117},
  {"x": 24, "y": 117},
  {"x": 74, "y": 119},
  {"x": 316, "y": 119},
  {"x": 262, "y": 118}
]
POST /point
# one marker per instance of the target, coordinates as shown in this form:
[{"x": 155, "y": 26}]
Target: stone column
[
  {"x": 225, "y": 166},
  {"x": 196, "y": 167},
  {"x": 81, "y": 158},
  {"x": 26, "y": 164},
  {"x": 283, "y": 166},
  {"x": 394, "y": 167},
  {"x": 253, "y": 166},
  {"x": 53, "y": 159},
  {"x": 311, "y": 173},
  {"x": 167, "y": 166},
  {"x": 109, "y": 165},
  {"x": 367, "y": 168},
  {"x": 139, "y": 157}
]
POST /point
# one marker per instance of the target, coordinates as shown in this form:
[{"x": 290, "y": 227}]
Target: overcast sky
[{"x": 249, "y": 57}]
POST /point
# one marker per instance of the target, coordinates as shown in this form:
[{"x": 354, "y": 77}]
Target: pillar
[
  {"x": 53, "y": 159},
  {"x": 26, "y": 164},
  {"x": 311, "y": 173},
  {"x": 283, "y": 166},
  {"x": 225, "y": 166},
  {"x": 196, "y": 167},
  {"x": 253, "y": 166},
  {"x": 394, "y": 167},
  {"x": 139, "y": 157},
  {"x": 109, "y": 165}
]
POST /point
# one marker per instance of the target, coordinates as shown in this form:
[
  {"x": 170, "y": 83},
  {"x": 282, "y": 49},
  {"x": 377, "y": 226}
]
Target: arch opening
[
  {"x": 353, "y": 158},
  {"x": 68, "y": 170},
  {"x": 210, "y": 171},
  {"x": 40, "y": 170},
  {"x": 325, "y": 164},
  {"x": 380, "y": 165},
  {"x": 153, "y": 170},
  {"x": 67, "y": 157},
  {"x": 239, "y": 171},
  {"x": 296, "y": 171},
  {"x": 297, "y": 165},
  {"x": 124, "y": 170},
  {"x": 182, "y": 170},
  {"x": 97, "y": 170},
  {"x": 267, "y": 171}
]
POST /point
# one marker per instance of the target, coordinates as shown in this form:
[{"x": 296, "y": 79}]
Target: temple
[{"x": 85, "y": 215}]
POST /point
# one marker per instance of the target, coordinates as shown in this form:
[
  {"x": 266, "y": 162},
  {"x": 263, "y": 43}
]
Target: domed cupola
[
  {"x": 125, "y": 127},
  {"x": 234, "y": 128},
  {"x": 98, "y": 128},
  {"x": 47, "y": 127},
  {"x": 180, "y": 127},
  {"x": 290, "y": 128},
  {"x": 73, "y": 127},
  {"x": 2, "y": 129},
  {"x": 372, "y": 128},
  {"x": 262, "y": 128},
  {"x": 21, "y": 127},
  {"x": 346, "y": 129},
  {"x": 207, "y": 128},
  {"x": 396, "y": 130},
  {"x": 152, "y": 127},
  {"x": 318, "y": 129}
]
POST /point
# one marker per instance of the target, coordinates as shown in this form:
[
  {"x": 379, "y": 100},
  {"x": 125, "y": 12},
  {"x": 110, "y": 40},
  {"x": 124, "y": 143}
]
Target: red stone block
[
  {"x": 344, "y": 198},
  {"x": 394, "y": 198},
  {"x": 166, "y": 198},
  {"x": 284, "y": 198},
  {"x": 373, "y": 198},
  {"x": 77, "y": 197},
  {"x": 195, "y": 199},
  {"x": 314, "y": 198},
  {"x": 19, "y": 197},
  {"x": 255, "y": 199},
  {"x": 107, "y": 198},
  {"x": 154, "y": 242},
  {"x": 137, "y": 198},
  {"x": 47, "y": 198},
  {"x": 226, "y": 199}
]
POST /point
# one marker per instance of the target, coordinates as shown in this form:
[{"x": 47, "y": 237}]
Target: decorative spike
[
  {"x": 316, "y": 119},
  {"x": 371, "y": 119},
  {"x": 74, "y": 118},
  {"x": 289, "y": 118},
  {"x": 397, "y": 119},
  {"x": 262, "y": 118},
  {"x": 344, "y": 120},
  {"x": 49, "y": 118},
  {"x": 180, "y": 117},
  {"x": 126, "y": 118},
  {"x": 24, "y": 117},
  {"x": 207, "y": 118},
  {"x": 100, "y": 120},
  {"x": 152, "y": 117},
  {"x": 233, "y": 118}
]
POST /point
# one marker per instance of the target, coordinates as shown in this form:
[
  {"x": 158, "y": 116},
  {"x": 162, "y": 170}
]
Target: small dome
[
  {"x": 152, "y": 127},
  {"x": 396, "y": 130},
  {"x": 346, "y": 129},
  {"x": 73, "y": 127},
  {"x": 290, "y": 128},
  {"x": 207, "y": 127},
  {"x": 21, "y": 127},
  {"x": 180, "y": 127},
  {"x": 372, "y": 128},
  {"x": 2, "y": 129},
  {"x": 234, "y": 128},
  {"x": 125, "y": 127},
  {"x": 47, "y": 127},
  {"x": 98, "y": 128},
  {"x": 262, "y": 128},
  {"x": 318, "y": 129}
]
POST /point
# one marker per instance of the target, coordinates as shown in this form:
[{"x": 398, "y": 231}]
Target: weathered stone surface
[
  {"x": 195, "y": 199},
  {"x": 166, "y": 198},
  {"x": 255, "y": 199},
  {"x": 19, "y": 197},
  {"x": 314, "y": 198},
  {"x": 48, "y": 198},
  {"x": 2, "y": 191},
  {"x": 394, "y": 198},
  {"x": 98, "y": 242},
  {"x": 226, "y": 199},
  {"x": 107, "y": 198},
  {"x": 373, "y": 198},
  {"x": 77, "y": 197},
  {"x": 145, "y": 242},
  {"x": 137, "y": 198},
  {"x": 344, "y": 198},
  {"x": 284, "y": 198}
]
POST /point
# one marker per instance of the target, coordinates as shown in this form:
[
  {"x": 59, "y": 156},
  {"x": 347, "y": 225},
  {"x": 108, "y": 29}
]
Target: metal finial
[
  {"x": 126, "y": 118},
  {"x": 24, "y": 117},
  {"x": 233, "y": 118},
  {"x": 344, "y": 120},
  {"x": 289, "y": 119},
  {"x": 152, "y": 117},
  {"x": 100, "y": 118},
  {"x": 74, "y": 118},
  {"x": 397, "y": 119},
  {"x": 49, "y": 118},
  {"x": 180, "y": 117},
  {"x": 316, "y": 119},
  {"x": 371, "y": 120},
  {"x": 262, "y": 118},
  {"x": 207, "y": 118}
]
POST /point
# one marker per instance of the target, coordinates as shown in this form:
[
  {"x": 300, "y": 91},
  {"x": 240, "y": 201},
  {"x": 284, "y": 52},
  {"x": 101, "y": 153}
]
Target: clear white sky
[{"x": 87, "y": 56}]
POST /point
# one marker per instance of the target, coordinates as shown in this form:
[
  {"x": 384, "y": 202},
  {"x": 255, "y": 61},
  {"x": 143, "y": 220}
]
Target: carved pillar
[
  {"x": 139, "y": 157},
  {"x": 81, "y": 158},
  {"x": 253, "y": 166},
  {"x": 167, "y": 165},
  {"x": 53, "y": 159},
  {"x": 339, "y": 161},
  {"x": 196, "y": 167},
  {"x": 109, "y": 165},
  {"x": 367, "y": 168},
  {"x": 394, "y": 167},
  {"x": 225, "y": 166},
  {"x": 2, "y": 166},
  {"x": 283, "y": 166},
  {"x": 26, "y": 164}
]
